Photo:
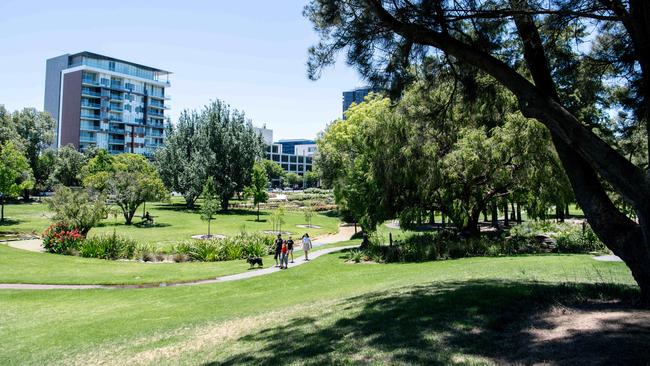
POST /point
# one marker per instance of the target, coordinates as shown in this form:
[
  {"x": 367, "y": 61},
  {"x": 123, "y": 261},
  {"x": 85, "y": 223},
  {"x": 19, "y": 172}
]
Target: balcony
[
  {"x": 90, "y": 105},
  {"x": 116, "y": 97},
  {"x": 87, "y": 138},
  {"x": 88, "y": 127},
  {"x": 90, "y": 81},
  {"x": 114, "y": 118},
  {"x": 88, "y": 92},
  {"x": 116, "y": 130},
  {"x": 116, "y": 108},
  {"x": 90, "y": 116},
  {"x": 114, "y": 141},
  {"x": 157, "y": 114}
]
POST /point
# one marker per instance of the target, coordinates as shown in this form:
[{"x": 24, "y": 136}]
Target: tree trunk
[
  {"x": 513, "y": 212},
  {"x": 559, "y": 213},
  {"x": 567, "y": 213},
  {"x": 518, "y": 213},
  {"x": 209, "y": 221},
  {"x": 506, "y": 219},
  {"x": 258, "y": 211},
  {"x": 225, "y": 203},
  {"x": 2, "y": 210},
  {"x": 26, "y": 194},
  {"x": 485, "y": 216},
  {"x": 128, "y": 215},
  {"x": 495, "y": 216}
]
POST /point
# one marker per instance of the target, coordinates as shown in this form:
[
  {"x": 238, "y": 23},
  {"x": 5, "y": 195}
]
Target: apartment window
[
  {"x": 105, "y": 82},
  {"x": 127, "y": 107},
  {"x": 129, "y": 97},
  {"x": 129, "y": 86},
  {"x": 111, "y": 65}
]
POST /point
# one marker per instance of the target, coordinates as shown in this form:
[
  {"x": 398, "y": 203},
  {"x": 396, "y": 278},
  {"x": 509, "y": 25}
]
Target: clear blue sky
[{"x": 251, "y": 54}]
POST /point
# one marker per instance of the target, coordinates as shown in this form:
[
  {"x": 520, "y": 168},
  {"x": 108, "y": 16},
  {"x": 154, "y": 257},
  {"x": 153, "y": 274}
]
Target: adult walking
[
  {"x": 278, "y": 249},
  {"x": 290, "y": 247},
  {"x": 306, "y": 245}
]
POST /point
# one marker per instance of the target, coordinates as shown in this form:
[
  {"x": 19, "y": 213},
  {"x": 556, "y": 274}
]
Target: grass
[
  {"x": 20, "y": 266},
  {"x": 325, "y": 312},
  {"x": 173, "y": 223}
]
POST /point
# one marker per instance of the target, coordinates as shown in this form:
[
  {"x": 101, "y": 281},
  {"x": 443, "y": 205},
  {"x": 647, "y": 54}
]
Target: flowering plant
[{"x": 60, "y": 238}]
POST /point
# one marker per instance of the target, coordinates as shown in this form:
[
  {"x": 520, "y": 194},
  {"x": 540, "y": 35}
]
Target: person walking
[
  {"x": 284, "y": 261},
  {"x": 306, "y": 245},
  {"x": 290, "y": 247},
  {"x": 278, "y": 249}
]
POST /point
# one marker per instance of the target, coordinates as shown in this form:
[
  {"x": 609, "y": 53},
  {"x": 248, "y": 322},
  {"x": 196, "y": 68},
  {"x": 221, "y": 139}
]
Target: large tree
[
  {"x": 231, "y": 148},
  {"x": 35, "y": 130},
  {"x": 67, "y": 167},
  {"x": 15, "y": 174},
  {"x": 257, "y": 189},
  {"x": 182, "y": 162},
  {"x": 516, "y": 43}
]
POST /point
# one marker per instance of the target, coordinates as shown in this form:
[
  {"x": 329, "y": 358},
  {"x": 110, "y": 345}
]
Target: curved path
[{"x": 344, "y": 234}]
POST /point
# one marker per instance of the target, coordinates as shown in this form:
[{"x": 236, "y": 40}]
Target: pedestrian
[
  {"x": 306, "y": 245},
  {"x": 284, "y": 261},
  {"x": 290, "y": 247},
  {"x": 278, "y": 249}
]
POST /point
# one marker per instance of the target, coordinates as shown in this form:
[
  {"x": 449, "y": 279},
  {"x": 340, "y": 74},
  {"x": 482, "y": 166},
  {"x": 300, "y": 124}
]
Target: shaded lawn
[
  {"x": 382, "y": 313},
  {"x": 173, "y": 223},
  {"x": 20, "y": 266}
]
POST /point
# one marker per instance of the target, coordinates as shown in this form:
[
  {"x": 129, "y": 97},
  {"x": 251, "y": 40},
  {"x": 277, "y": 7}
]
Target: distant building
[
  {"x": 294, "y": 156},
  {"x": 355, "y": 96},
  {"x": 104, "y": 102}
]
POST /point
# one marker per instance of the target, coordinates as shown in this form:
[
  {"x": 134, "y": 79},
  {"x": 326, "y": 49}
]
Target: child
[
  {"x": 284, "y": 261},
  {"x": 290, "y": 248}
]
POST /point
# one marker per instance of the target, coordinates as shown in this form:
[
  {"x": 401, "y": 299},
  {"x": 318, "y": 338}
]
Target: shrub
[
  {"x": 80, "y": 208},
  {"x": 355, "y": 255},
  {"x": 237, "y": 247},
  {"x": 61, "y": 238},
  {"x": 108, "y": 247},
  {"x": 578, "y": 240}
]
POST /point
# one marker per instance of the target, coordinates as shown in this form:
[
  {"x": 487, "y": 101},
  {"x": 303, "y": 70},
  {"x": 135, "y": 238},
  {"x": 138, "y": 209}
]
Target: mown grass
[
  {"x": 173, "y": 222},
  {"x": 20, "y": 266},
  {"x": 324, "y": 312}
]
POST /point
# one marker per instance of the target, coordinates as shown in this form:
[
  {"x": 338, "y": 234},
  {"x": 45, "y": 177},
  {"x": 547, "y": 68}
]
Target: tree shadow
[
  {"x": 9, "y": 221},
  {"x": 139, "y": 225},
  {"x": 439, "y": 324}
]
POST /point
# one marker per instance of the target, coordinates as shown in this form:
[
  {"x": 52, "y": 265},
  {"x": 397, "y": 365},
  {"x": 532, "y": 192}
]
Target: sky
[{"x": 251, "y": 54}]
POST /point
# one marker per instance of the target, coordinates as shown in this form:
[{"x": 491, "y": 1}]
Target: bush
[
  {"x": 237, "y": 247},
  {"x": 579, "y": 241},
  {"x": 60, "y": 238},
  {"x": 108, "y": 247}
]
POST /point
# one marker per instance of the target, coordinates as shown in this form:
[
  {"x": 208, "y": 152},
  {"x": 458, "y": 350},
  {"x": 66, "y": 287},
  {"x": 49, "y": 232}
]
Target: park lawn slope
[{"x": 159, "y": 324}]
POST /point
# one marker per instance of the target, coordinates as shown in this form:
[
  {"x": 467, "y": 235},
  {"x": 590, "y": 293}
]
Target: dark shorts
[{"x": 277, "y": 254}]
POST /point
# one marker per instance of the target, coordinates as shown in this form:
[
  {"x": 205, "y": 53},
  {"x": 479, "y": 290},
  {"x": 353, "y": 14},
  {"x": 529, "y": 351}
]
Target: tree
[
  {"x": 311, "y": 178},
  {"x": 35, "y": 130},
  {"x": 209, "y": 207},
  {"x": 308, "y": 211},
  {"x": 133, "y": 181},
  {"x": 232, "y": 147},
  {"x": 273, "y": 170},
  {"x": 294, "y": 180},
  {"x": 15, "y": 174},
  {"x": 277, "y": 219},
  {"x": 515, "y": 43},
  {"x": 97, "y": 172},
  {"x": 7, "y": 127},
  {"x": 77, "y": 207},
  {"x": 257, "y": 188},
  {"x": 181, "y": 162},
  {"x": 67, "y": 167}
]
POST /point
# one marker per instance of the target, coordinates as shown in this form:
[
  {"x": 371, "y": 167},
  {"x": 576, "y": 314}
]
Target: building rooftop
[{"x": 102, "y": 57}]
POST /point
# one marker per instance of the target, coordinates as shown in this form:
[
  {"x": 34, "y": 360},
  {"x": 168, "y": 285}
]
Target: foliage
[
  {"x": 79, "y": 208},
  {"x": 294, "y": 180},
  {"x": 15, "y": 174},
  {"x": 98, "y": 170},
  {"x": 231, "y": 146},
  {"x": 311, "y": 178},
  {"x": 111, "y": 246},
  {"x": 35, "y": 130},
  {"x": 67, "y": 167},
  {"x": 273, "y": 170},
  {"x": 133, "y": 181},
  {"x": 60, "y": 238},
  {"x": 182, "y": 162},
  {"x": 240, "y": 246},
  {"x": 309, "y": 214},
  {"x": 258, "y": 187},
  {"x": 579, "y": 241}
]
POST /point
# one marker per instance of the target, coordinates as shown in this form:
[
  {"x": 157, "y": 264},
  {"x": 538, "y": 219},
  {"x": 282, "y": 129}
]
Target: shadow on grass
[
  {"x": 139, "y": 225},
  {"x": 9, "y": 221},
  {"x": 454, "y": 323}
]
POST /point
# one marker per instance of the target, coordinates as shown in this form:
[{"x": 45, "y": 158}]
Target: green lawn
[
  {"x": 20, "y": 266},
  {"x": 173, "y": 222},
  {"x": 327, "y": 311}
]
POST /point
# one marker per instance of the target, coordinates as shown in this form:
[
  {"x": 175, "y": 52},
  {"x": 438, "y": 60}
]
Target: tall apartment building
[
  {"x": 107, "y": 103},
  {"x": 294, "y": 156}
]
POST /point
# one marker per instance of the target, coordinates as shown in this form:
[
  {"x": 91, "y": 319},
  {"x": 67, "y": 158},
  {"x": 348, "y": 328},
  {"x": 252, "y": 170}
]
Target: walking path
[
  {"x": 33, "y": 245},
  {"x": 344, "y": 234}
]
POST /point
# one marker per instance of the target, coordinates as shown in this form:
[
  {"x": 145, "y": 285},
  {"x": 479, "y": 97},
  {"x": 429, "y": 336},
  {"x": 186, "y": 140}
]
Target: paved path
[
  {"x": 344, "y": 234},
  {"x": 608, "y": 258},
  {"x": 33, "y": 245}
]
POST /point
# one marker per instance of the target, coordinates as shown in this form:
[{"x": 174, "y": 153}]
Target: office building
[
  {"x": 294, "y": 156},
  {"x": 354, "y": 96},
  {"x": 103, "y": 102}
]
